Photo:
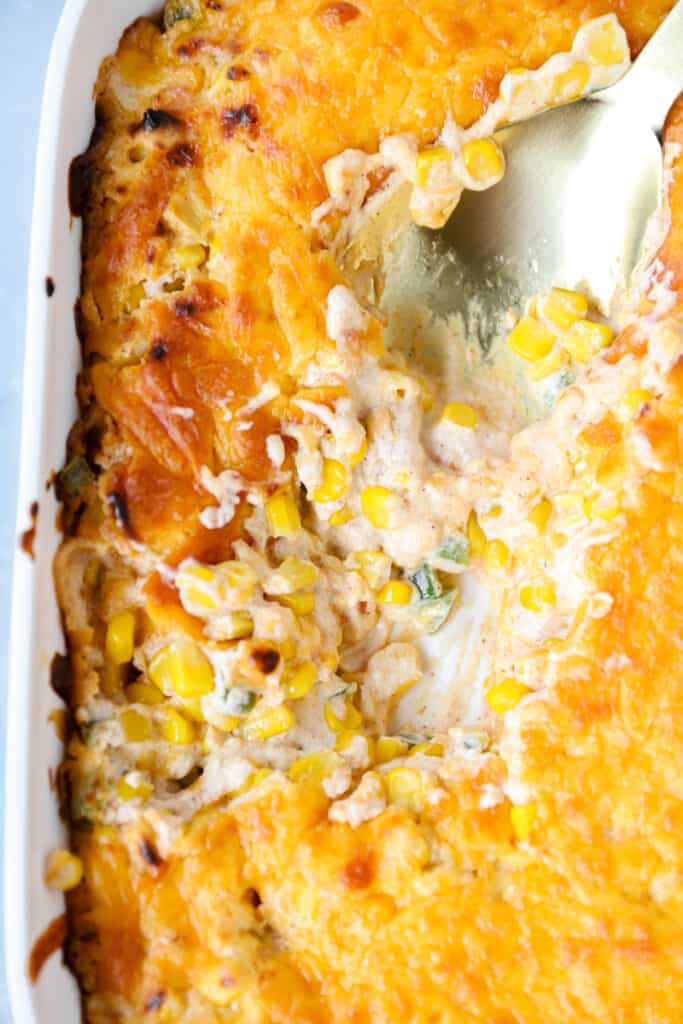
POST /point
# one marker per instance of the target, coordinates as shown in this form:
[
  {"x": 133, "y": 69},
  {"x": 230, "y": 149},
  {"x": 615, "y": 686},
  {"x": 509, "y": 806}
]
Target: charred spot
[
  {"x": 363, "y": 607},
  {"x": 235, "y": 118},
  {"x": 61, "y": 676},
  {"x": 178, "y": 785},
  {"x": 253, "y": 898},
  {"x": 49, "y": 287},
  {"x": 93, "y": 445},
  {"x": 182, "y": 155},
  {"x": 154, "y": 120},
  {"x": 156, "y": 1001},
  {"x": 359, "y": 872},
  {"x": 158, "y": 351},
  {"x": 119, "y": 508},
  {"x": 80, "y": 323},
  {"x": 266, "y": 659},
  {"x": 214, "y": 5},
  {"x": 338, "y": 14},
  {"x": 28, "y": 537},
  {"x": 184, "y": 307},
  {"x": 237, "y": 73},
  {"x": 81, "y": 176},
  {"x": 190, "y": 46},
  {"x": 149, "y": 853}
]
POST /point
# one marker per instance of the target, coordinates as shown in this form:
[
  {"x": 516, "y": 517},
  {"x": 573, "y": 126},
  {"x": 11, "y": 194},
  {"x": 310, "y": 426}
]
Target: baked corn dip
[{"x": 374, "y": 708}]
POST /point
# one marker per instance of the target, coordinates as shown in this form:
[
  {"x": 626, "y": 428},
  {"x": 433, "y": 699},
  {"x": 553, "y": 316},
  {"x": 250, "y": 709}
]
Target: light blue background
[{"x": 26, "y": 30}]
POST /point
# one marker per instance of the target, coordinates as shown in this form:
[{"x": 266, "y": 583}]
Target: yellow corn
[
  {"x": 136, "y": 728},
  {"x": 189, "y": 256},
  {"x": 120, "y": 638},
  {"x": 585, "y": 339},
  {"x": 461, "y": 414},
  {"x": 346, "y": 737},
  {"x": 522, "y": 818},
  {"x": 296, "y": 574},
  {"x": 352, "y": 719},
  {"x": 535, "y": 597},
  {"x": 134, "y": 296},
  {"x": 497, "y": 555},
  {"x": 484, "y": 161},
  {"x": 341, "y": 516},
  {"x": 302, "y": 681},
  {"x": 506, "y": 695},
  {"x": 603, "y": 507},
  {"x": 540, "y": 514},
  {"x": 189, "y": 582},
  {"x": 395, "y": 592},
  {"x": 144, "y": 693},
  {"x": 253, "y": 781},
  {"x": 63, "y": 870},
  {"x": 606, "y": 45},
  {"x": 476, "y": 537},
  {"x": 563, "y": 307},
  {"x": 175, "y": 728},
  {"x": 236, "y": 625},
  {"x": 239, "y": 576},
  {"x": 531, "y": 340},
  {"x": 93, "y": 572},
  {"x": 429, "y": 749},
  {"x": 359, "y": 454},
  {"x": 301, "y": 604},
  {"x": 264, "y": 723},
  {"x": 633, "y": 400},
  {"x": 282, "y": 515},
  {"x": 182, "y": 668},
  {"x": 131, "y": 790},
  {"x": 404, "y": 788},
  {"x": 373, "y": 565},
  {"x": 335, "y": 480},
  {"x": 315, "y": 767},
  {"x": 570, "y": 84},
  {"x": 554, "y": 361},
  {"x": 377, "y": 504},
  {"x": 389, "y": 747},
  {"x": 495, "y": 512},
  {"x": 428, "y": 159}
]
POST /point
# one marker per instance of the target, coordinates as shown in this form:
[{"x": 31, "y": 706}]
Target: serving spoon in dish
[{"x": 581, "y": 184}]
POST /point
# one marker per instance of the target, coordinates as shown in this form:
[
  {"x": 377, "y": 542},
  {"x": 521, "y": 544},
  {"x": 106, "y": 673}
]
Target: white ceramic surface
[{"x": 88, "y": 30}]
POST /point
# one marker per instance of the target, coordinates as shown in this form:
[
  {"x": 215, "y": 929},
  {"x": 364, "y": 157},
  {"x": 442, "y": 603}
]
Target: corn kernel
[
  {"x": 134, "y": 297},
  {"x": 461, "y": 414},
  {"x": 484, "y": 161},
  {"x": 506, "y": 695},
  {"x": 236, "y": 625},
  {"x": 428, "y": 159},
  {"x": 346, "y": 737},
  {"x": 294, "y": 574},
  {"x": 497, "y": 555},
  {"x": 585, "y": 339},
  {"x": 429, "y": 749},
  {"x": 352, "y": 719},
  {"x": 563, "y": 307},
  {"x": 359, "y": 454},
  {"x": 282, "y": 515},
  {"x": 404, "y": 788},
  {"x": 476, "y": 537},
  {"x": 635, "y": 399},
  {"x": 554, "y": 361},
  {"x": 377, "y": 505},
  {"x": 315, "y": 767},
  {"x": 606, "y": 45},
  {"x": 301, "y": 681},
  {"x": 301, "y": 604},
  {"x": 144, "y": 693},
  {"x": 395, "y": 592},
  {"x": 535, "y": 597},
  {"x": 175, "y": 728},
  {"x": 136, "y": 728},
  {"x": 341, "y": 516},
  {"x": 130, "y": 788},
  {"x": 373, "y": 565},
  {"x": 605, "y": 507},
  {"x": 389, "y": 747},
  {"x": 531, "y": 340},
  {"x": 522, "y": 818},
  {"x": 189, "y": 256},
  {"x": 335, "y": 479},
  {"x": 182, "y": 668},
  {"x": 63, "y": 870},
  {"x": 120, "y": 638},
  {"x": 540, "y": 514},
  {"x": 570, "y": 84},
  {"x": 270, "y": 721}
]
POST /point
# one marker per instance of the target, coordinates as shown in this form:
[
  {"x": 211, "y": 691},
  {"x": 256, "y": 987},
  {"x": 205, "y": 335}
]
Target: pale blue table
[{"x": 26, "y": 30}]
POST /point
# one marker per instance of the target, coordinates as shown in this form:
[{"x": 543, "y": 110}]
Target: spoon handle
[{"x": 656, "y": 78}]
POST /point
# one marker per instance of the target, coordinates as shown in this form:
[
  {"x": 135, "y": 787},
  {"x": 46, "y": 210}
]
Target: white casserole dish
[{"x": 87, "y": 32}]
